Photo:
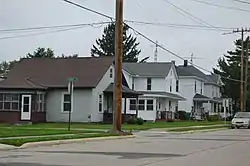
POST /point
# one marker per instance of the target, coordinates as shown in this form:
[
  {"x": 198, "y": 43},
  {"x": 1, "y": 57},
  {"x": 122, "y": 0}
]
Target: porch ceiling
[
  {"x": 163, "y": 94},
  {"x": 126, "y": 92}
]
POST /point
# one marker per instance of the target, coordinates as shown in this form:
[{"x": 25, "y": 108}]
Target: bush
[
  {"x": 182, "y": 115},
  {"x": 132, "y": 121},
  {"x": 139, "y": 121},
  {"x": 214, "y": 118}
]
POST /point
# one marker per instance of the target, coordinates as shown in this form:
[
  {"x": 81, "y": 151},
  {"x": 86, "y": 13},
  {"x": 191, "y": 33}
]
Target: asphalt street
[{"x": 220, "y": 148}]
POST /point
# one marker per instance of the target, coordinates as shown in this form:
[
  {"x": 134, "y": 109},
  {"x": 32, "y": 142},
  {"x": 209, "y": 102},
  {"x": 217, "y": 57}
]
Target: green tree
[
  {"x": 42, "y": 53},
  {"x": 229, "y": 67},
  {"x": 105, "y": 46}
]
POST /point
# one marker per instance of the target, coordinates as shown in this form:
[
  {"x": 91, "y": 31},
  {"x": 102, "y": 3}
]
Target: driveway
[{"x": 221, "y": 148}]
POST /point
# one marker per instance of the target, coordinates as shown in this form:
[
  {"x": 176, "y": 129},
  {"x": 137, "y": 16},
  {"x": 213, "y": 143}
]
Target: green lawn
[
  {"x": 197, "y": 128},
  {"x": 17, "y": 132},
  {"x": 145, "y": 126},
  {"x": 20, "y": 142}
]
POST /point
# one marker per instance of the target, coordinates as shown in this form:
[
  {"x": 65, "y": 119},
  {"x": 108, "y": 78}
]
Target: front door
[{"x": 26, "y": 107}]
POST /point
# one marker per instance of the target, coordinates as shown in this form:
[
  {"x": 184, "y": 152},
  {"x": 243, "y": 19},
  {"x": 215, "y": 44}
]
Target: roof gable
[
  {"x": 159, "y": 69},
  {"x": 190, "y": 71},
  {"x": 53, "y": 73}
]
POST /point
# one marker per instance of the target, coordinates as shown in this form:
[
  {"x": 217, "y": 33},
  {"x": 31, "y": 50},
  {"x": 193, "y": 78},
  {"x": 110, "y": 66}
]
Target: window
[
  {"x": 111, "y": 73},
  {"x": 177, "y": 85},
  {"x": 150, "y": 105},
  {"x": 40, "y": 103},
  {"x": 170, "y": 105},
  {"x": 170, "y": 87},
  {"x": 195, "y": 88},
  {"x": 100, "y": 103},
  {"x": 9, "y": 101},
  {"x": 149, "y": 83},
  {"x": 66, "y": 102},
  {"x": 132, "y": 104},
  {"x": 141, "y": 105}
]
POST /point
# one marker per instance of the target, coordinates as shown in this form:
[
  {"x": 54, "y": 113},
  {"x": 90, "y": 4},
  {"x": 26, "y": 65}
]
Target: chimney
[
  {"x": 185, "y": 63},
  {"x": 173, "y": 62}
]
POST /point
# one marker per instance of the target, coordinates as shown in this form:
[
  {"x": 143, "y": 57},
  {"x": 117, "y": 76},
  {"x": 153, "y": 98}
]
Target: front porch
[
  {"x": 127, "y": 93},
  {"x": 203, "y": 106},
  {"x": 165, "y": 104},
  {"x": 19, "y": 107}
]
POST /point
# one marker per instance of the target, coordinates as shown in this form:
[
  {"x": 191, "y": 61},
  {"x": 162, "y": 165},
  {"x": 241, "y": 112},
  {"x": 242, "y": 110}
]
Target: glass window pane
[
  {"x": 150, "y": 107},
  {"x": 132, "y": 101},
  {"x": 132, "y": 107},
  {"x": 7, "y": 97},
  {"x": 1, "y": 105},
  {"x": 100, "y": 107},
  {"x": 150, "y": 102},
  {"x": 67, "y": 97},
  {"x": 66, "y": 106},
  {"x": 141, "y": 102},
  {"x": 14, "y": 106},
  {"x": 26, "y": 108},
  {"x": 15, "y": 97},
  {"x": 141, "y": 107},
  {"x": 7, "y": 105},
  {"x": 1, "y": 97},
  {"x": 26, "y": 100}
]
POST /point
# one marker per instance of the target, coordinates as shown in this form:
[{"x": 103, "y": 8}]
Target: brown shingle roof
[{"x": 43, "y": 73}]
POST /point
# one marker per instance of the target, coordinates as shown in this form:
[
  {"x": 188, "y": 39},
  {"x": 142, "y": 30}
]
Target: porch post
[
  {"x": 209, "y": 107},
  {"x": 125, "y": 109},
  {"x": 137, "y": 107}
]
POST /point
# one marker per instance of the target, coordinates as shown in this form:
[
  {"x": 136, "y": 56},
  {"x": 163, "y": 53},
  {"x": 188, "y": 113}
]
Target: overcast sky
[{"x": 208, "y": 45}]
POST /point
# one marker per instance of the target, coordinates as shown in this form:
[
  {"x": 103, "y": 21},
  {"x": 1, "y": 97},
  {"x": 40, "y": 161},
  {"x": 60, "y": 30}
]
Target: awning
[
  {"x": 126, "y": 92},
  {"x": 199, "y": 97},
  {"x": 163, "y": 95}
]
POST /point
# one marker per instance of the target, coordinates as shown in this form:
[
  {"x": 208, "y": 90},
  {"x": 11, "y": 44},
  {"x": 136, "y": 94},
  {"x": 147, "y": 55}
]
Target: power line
[
  {"x": 53, "y": 27},
  {"x": 221, "y": 6},
  {"x": 240, "y": 1},
  {"x": 194, "y": 18},
  {"x": 170, "y": 25},
  {"x": 185, "y": 26},
  {"x": 35, "y": 34},
  {"x": 88, "y": 9},
  {"x": 152, "y": 41}
]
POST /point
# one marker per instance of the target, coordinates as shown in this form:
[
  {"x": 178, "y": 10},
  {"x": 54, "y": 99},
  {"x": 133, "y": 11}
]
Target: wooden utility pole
[
  {"x": 242, "y": 72},
  {"x": 246, "y": 74},
  {"x": 117, "y": 109}
]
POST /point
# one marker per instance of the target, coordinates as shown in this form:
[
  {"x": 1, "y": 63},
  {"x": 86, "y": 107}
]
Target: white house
[
  {"x": 159, "y": 84},
  {"x": 201, "y": 91}
]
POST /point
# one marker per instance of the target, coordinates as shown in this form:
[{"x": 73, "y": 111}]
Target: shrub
[
  {"x": 182, "y": 115},
  {"x": 214, "y": 118},
  {"x": 139, "y": 121},
  {"x": 132, "y": 121}
]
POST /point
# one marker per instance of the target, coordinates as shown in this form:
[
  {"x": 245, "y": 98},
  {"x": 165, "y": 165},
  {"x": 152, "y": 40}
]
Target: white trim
[
  {"x": 62, "y": 102},
  {"x": 26, "y": 115}
]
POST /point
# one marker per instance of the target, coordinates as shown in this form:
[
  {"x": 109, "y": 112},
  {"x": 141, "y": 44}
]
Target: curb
[{"x": 59, "y": 142}]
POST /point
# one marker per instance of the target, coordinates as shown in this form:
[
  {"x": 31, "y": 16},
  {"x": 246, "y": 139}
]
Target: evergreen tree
[
  {"x": 105, "y": 46},
  {"x": 229, "y": 67}
]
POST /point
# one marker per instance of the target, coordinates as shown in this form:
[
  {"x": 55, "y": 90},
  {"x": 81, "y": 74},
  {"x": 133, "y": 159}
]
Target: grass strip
[
  {"x": 145, "y": 126},
  {"x": 20, "y": 141},
  {"x": 18, "y": 132}
]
